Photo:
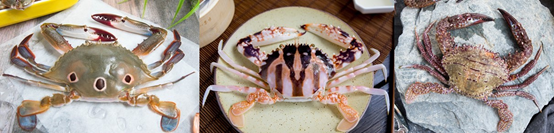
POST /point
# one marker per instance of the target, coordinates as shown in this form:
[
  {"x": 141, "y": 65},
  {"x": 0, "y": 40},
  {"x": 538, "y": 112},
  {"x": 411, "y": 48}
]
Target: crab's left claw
[{"x": 80, "y": 31}]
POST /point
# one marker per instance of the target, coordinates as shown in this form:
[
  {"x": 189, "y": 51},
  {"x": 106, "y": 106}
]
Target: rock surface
[{"x": 457, "y": 113}]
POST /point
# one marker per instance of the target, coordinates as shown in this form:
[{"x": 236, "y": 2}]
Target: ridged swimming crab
[
  {"x": 474, "y": 71},
  {"x": 298, "y": 72},
  {"x": 101, "y": 71}
]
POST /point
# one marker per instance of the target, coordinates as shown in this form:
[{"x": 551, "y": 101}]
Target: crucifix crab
[
  {"x": 474, "y": 71},
  {"x": 298, "y": 72},
  {"x": 101, "y": 71}
]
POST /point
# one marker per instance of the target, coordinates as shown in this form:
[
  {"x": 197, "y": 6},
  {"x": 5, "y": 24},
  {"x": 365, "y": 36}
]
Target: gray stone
[{"x": 457, "y": 113}]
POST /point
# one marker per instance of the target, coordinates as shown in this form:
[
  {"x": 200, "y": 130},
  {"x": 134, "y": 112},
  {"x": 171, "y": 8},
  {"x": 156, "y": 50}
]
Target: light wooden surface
[{"x": 157, "y": 11}]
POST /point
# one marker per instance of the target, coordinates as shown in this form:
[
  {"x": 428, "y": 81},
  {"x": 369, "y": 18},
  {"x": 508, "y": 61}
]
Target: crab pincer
[
  {"x": 54, "y": 34},
  {"x": 156, "y": 35}
]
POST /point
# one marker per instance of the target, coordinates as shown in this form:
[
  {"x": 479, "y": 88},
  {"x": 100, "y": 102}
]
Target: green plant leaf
[
  {"x": 178, "y": 9},
  {"x": 192, "y": 11},
  {"x": 144, "y": 8},
  {"x": 122, "y": 1}
]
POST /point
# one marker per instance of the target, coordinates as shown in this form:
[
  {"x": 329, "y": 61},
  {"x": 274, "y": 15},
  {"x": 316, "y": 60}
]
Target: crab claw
[
  {"x": 81, "y": 31},
  {"x": 469, "y": 19},
  {"x": 124, "y": 23}
]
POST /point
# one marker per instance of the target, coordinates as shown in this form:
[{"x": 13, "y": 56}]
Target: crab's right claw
[
  {"x": 124, "y": 23},
  {"x": 169, "y": 124}
]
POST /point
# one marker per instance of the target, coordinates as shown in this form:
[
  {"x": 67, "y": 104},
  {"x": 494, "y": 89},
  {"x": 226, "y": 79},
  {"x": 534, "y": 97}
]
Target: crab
[
  {"x": 16, "y": 4},
  {"x": 473, "y": 71},
  {"x": 102, "y": 71},
  {"x": 298, "y": 72},
  {"x": 422, "y": 3}
]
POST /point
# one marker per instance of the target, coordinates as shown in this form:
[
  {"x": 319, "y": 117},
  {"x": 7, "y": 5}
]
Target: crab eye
[
  {"x": 128, "y": 79},
  {"x": 100, "y": 84},
  {"x": 72, "y": 77}
]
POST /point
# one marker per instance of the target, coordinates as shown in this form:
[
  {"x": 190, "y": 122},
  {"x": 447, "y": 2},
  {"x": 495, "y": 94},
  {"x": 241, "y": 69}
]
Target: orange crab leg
[
  {"x": 240, "y": 74},
  {"x": 350, "y": 115},
  {"x": 27, "y": 111},
  {"x": 430, "y": 70},
  {"x": 238, "y": 109}
]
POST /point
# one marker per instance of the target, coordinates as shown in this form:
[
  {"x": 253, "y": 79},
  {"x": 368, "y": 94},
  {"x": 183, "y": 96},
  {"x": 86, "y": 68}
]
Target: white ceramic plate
[{"x": 285, "y": 116}]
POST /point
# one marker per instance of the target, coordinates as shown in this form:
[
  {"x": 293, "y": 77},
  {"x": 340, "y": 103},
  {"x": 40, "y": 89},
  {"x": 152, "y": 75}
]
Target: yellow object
[{"x": 37, "y": 9}]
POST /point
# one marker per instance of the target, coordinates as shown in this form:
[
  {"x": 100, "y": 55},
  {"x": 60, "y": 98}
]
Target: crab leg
[
  {"x": 169, "y": 111},
  {"x": 350, "y": 89},
  {"x": 249, "y": 46},
  {"x": 517, "y": 93},
  {"x": 444, "y": 38},
  {"x": 238, "y": 109},
  {"x": 427, "y": 53},
  {"x": 364, "y": 64},
  {"x": 525, "y": 83},
  {"x": 428, "y": 69},
  {"x": 161, "y": 86},
  {"x": 368, "y": 69},
  {"x": 156, "y": 35},
  {"x": 169, "y": 51},
  {"x": 527, "y": 67},
  {"x": 38, "y": 83},
  {"x": 240, "y": 74},
  {"x": 27, "y": 111},
  {"x": 176, "y": 56},
  {"x": 506, "y": 117},
  {"x": 54, "y": 34},
  {"x": 337, "y": 36},
  {"x": 419, "y": 88},
  {"x": 517, "y": 59},
  {"x": 226, "y": 58},
  {"x": 350, "y": 115},
  {"x": 29, "y": 58}
]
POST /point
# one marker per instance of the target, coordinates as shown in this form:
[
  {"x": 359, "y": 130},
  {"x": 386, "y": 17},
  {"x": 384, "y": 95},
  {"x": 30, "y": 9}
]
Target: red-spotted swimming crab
[{"x": 98, "y": 71}]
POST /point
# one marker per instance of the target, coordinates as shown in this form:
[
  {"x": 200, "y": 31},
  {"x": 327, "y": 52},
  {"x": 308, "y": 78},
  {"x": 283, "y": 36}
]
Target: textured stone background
[{"x": 456, "y": 113}]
